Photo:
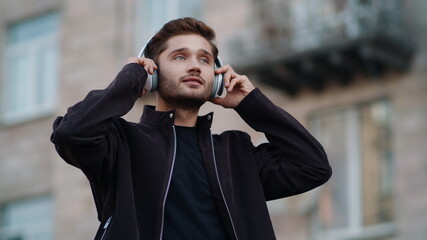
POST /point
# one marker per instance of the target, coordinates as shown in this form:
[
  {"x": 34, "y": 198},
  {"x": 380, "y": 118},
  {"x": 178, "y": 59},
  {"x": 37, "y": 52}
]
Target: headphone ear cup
[
  {"x": 152, "y": 82},
  {"x": 155, "y": 79},
  {"x": 217, "y": 86},
  {"x": 220, "y": 85},
  {"x": 148, "y": 83}
]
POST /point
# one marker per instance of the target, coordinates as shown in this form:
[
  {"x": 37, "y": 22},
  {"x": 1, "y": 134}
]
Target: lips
[{"x": 193, "y": 80}]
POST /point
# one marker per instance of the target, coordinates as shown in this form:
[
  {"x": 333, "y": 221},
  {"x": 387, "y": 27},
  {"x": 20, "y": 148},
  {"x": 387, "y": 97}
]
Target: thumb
[
  {"x": 218, "y": 101},
  {"x": 143, "y": 92}
]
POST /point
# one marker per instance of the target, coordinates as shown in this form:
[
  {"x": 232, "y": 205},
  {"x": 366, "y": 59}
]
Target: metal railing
[{"x": 294, "y": 26}]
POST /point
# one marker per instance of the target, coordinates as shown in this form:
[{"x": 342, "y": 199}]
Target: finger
[
  {"x": 131, "y": 60},
  {"x": 227, "y": 78},
  {"x": 232, "y": 81},
  {"x": 238, "y": 80},
  {"x": 147, "y": 65},
  {"x": 229, "y": 74},
  {"x": 148, "y": 68},
  {"x": 143, "y": 92},
  {"x": 222, "y": 69},
  {"x": 152, "y": 65}
]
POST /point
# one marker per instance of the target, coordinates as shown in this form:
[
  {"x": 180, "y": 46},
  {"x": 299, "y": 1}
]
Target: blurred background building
[{"x": 352, "y": 71}]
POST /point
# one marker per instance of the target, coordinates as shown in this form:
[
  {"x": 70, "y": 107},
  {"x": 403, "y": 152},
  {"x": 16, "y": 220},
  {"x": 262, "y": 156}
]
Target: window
[
  {"x": 30, "y": 69},
  {"x": 29, "y": 219},
  {"x": 357, "y": 203},
  {"x": 152, "y": 15}
]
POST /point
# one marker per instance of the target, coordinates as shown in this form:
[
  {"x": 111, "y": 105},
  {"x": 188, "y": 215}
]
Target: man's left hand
[{"x": 237, "y": 86}]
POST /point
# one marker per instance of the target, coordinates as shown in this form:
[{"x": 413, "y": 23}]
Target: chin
[
  {"x": 185, "y": 99},
  {"x": 188, "y": 102},
  {"x": 192, "y": 93}
]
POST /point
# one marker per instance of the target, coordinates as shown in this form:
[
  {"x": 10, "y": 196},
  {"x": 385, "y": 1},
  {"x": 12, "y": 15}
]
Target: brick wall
[{"x": 96, "y": 37}]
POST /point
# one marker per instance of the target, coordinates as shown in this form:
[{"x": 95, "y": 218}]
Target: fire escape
[{"x": 296, "y": 44}]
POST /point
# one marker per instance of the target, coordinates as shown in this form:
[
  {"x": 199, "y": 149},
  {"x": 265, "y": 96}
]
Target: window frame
[
  {"x": 32, "y": 49},
  {"x": 355, "y": 228},
  {"x": 146, "y": 27},
  {"x": 25, "y": 230}
]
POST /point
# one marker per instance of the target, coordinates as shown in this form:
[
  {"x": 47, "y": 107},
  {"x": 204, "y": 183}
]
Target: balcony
[{"x": 306, "y": 43}]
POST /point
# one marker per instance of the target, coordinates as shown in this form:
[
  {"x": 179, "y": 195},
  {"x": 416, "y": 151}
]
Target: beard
[{"x": 173, "y": 93}]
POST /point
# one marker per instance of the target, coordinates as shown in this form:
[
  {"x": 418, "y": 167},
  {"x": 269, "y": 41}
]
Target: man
[{"x": 168, "y": 177}]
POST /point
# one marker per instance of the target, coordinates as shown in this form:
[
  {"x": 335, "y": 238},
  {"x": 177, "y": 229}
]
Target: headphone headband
[{"x": 141, "y": 53}]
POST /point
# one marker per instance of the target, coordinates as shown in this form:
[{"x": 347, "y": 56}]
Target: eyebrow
[{"x": 187, "y": 49}]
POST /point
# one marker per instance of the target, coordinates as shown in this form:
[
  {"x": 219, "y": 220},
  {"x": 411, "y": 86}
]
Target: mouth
[{"x": 193, "y": 80}]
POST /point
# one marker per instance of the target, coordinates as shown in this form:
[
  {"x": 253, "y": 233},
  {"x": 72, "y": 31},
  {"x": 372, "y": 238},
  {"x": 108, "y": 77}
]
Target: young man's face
[{"x": 186, "y": 71}]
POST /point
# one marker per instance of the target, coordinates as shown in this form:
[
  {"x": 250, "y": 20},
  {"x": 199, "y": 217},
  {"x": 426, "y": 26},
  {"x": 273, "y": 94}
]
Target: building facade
[{"x": 352, "y": 71}]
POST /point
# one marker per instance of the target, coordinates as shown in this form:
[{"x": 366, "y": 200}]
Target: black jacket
[{"x": 129, "y": 165}]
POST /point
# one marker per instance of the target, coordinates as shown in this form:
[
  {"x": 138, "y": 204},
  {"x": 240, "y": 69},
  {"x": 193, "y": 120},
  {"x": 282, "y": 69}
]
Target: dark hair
[{"x": 181, "y": 26}]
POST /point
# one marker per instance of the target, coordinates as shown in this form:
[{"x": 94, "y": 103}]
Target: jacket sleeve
[
  {"x": 86, "y": 137},
  {"x": 292, "y": 161}
]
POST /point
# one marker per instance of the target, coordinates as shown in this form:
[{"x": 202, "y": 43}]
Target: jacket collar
[{"x": 159, "y": 119}]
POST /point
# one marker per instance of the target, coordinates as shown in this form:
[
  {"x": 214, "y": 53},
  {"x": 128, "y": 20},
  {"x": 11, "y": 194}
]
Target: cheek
[
  {"x": 166, "y": 76},
  {"x": 209, "y": 75}
]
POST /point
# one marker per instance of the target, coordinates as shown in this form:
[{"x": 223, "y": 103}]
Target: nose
[{"x": 194, "y": 66}]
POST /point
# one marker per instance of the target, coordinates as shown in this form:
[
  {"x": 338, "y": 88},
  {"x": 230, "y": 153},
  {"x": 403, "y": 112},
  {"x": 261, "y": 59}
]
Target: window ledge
[
  {"x": 17, "y": 119},
  {"x": 367, "y": 233}
]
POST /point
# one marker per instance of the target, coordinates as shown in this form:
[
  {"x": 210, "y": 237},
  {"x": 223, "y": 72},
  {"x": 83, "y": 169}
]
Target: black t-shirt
[{"x": 190, "y": 211}]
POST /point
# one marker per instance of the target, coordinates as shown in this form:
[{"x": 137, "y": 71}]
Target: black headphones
[{"x": 152, "y": 82}]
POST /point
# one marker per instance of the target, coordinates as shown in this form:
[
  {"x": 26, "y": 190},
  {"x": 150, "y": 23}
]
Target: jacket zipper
[
  {"x": 107, "y": 223},
  {"x": 220, "y": 188},
  {"x": 169, "y": 181}
]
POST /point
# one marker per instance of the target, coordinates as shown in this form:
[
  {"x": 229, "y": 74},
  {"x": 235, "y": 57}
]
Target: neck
[{"x": 186, "y": 117}]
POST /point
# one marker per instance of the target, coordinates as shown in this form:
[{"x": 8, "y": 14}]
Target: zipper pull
[{"x": 108, "y": 222}]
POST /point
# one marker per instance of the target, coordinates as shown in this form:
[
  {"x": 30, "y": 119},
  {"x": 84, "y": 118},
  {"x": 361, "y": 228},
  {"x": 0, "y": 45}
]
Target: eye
[
  {"x": 204, "y": 60},
  {"x": 179, "y": 57}
]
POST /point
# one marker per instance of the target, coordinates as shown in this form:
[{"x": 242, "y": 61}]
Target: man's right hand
[{"x": 148, "y": 64}]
